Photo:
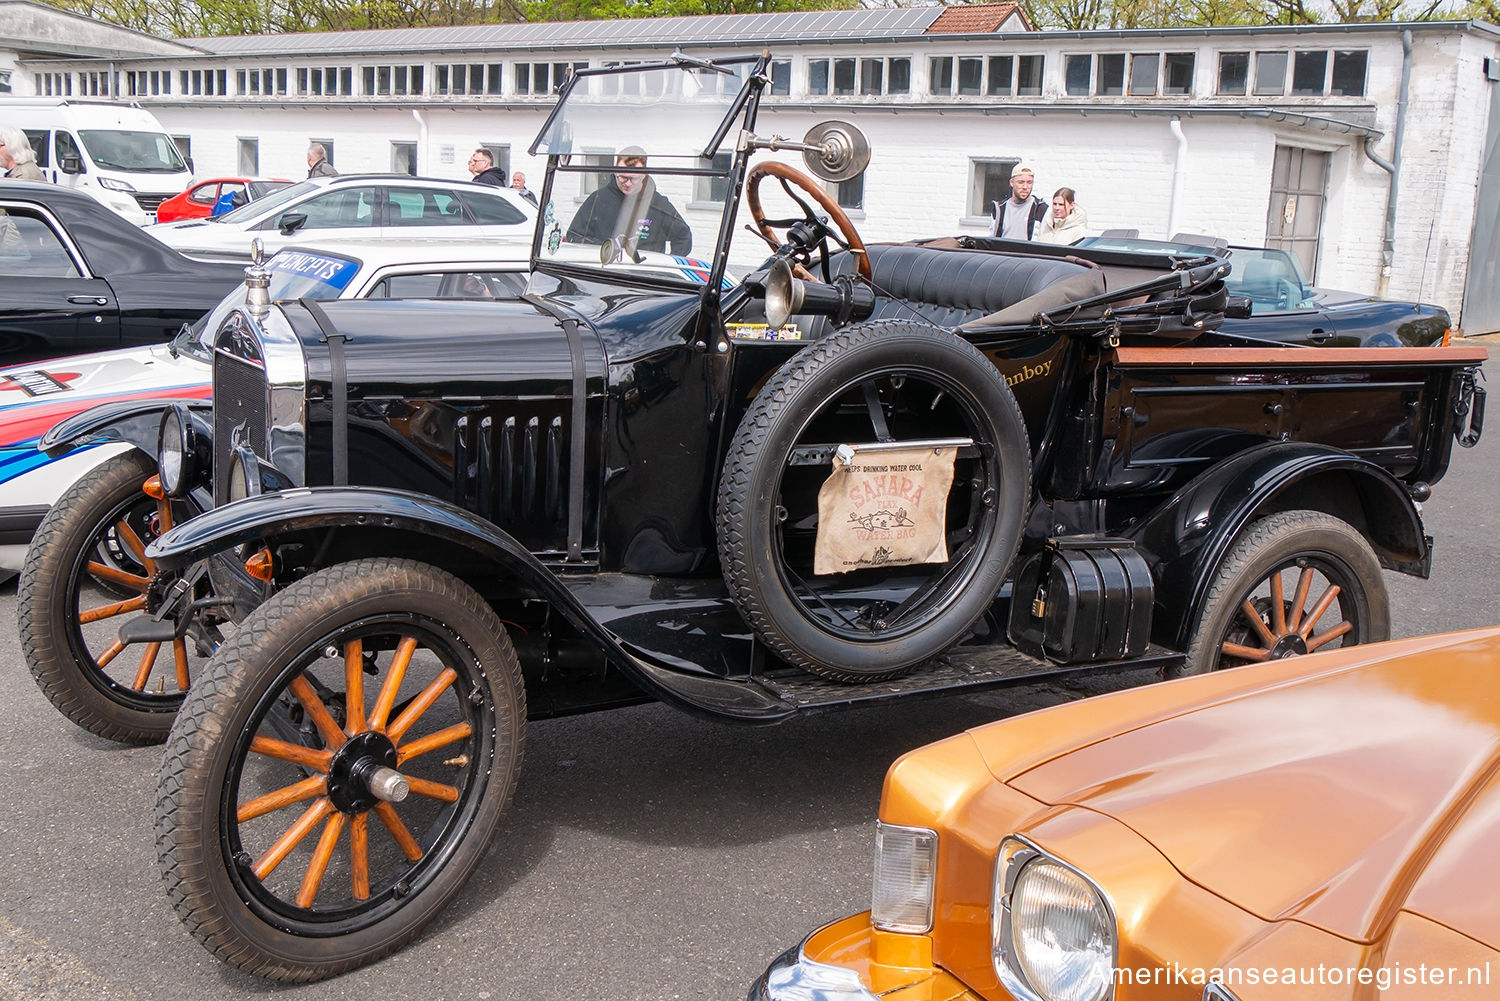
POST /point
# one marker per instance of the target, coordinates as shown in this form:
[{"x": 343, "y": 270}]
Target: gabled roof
[{"x": 968, "y": 19}]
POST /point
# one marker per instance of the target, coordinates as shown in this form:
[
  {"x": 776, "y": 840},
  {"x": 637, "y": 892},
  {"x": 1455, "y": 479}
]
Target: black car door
[{"x": 50, "y": 304}]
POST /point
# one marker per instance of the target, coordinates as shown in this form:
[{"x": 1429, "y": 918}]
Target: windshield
[
  {"x": 141, "y": 152},
  {"x": 629, "y": 187},
  {"x": 268, "y": 204},
  {"x": 1272, "y": 279}
]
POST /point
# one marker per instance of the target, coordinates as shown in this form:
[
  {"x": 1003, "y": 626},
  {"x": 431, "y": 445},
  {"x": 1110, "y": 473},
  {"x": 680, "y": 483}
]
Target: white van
[{"x": 118, "y": 153}]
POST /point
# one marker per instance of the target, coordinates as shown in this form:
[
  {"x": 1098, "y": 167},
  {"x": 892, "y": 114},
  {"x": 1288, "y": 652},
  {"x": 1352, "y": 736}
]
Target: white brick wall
[{"x": 921, "y": 177}]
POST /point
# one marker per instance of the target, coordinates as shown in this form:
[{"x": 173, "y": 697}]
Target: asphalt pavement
[{"x": 649, "y": 856}]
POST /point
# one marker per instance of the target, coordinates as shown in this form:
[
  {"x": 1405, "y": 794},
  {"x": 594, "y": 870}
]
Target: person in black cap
[{"x": 630, "y": 209}]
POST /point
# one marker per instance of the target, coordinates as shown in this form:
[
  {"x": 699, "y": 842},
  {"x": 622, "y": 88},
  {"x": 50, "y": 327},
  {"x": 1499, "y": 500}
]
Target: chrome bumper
[{"x": 793, "y": 977}]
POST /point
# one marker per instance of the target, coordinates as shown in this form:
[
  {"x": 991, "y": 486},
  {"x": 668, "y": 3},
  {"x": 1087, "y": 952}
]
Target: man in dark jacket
[
  {"x": 317, "y": 162},
  {"x": 482, "y": 166},
  {"x": 1017, "y": 217},
  {"x": 630, "y": 209}
]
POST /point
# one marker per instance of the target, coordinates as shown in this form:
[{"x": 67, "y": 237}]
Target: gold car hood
[{"x": 1338, "y": 796}]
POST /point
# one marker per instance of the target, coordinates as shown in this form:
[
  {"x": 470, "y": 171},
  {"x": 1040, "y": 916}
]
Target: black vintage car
[
  {"x": 863, "y": 472},
  {"x": 75, "y": 278},
  {"x": 1286, "y": 307}
]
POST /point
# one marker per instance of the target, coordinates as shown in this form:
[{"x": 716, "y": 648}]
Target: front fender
[
  {"x": 133, "y": 421},
  {"x": 1188, "y": 537},
  {"x": 306, "y": 508}
]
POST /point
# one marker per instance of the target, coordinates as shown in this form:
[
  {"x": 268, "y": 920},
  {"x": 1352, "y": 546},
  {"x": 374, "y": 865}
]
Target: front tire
[
  {"x": 891, "y": 379},
  {"x": 1293, "y": 583},
  {"x": 277, "y": 848}
]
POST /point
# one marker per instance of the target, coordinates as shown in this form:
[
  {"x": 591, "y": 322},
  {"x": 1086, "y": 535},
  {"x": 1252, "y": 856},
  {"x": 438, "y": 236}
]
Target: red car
[{"x": 198, "y": 201}]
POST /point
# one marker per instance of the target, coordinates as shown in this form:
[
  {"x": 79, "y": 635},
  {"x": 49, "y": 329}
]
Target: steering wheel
[{"x": 792, "y": 176}]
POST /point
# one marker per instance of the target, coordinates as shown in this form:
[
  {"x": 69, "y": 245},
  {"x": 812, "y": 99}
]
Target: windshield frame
[{"x": 743, "y": 109}]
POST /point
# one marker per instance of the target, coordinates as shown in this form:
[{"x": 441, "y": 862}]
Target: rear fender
[
  {"x": 1187, "y": 538},
  {"x": 400, "y": 516},
  {"x": 133, "y": 421}
]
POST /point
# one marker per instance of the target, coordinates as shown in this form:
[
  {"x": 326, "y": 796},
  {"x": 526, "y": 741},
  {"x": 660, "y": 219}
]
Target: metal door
[{"x": 1294, "y": 222}]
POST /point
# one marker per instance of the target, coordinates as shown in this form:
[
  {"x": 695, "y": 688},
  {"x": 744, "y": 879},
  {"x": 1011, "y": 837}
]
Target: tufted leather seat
[{"x": 951, "y": 287}]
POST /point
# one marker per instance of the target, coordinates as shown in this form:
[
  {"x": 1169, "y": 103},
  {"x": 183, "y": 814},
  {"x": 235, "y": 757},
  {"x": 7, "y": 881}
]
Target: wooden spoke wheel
[
  {"x": 87, "y": 574},
  {"x": 339, "y": 772},
  {"x": 1294, "y": 583},
  {"x": 883, "y": 382}
]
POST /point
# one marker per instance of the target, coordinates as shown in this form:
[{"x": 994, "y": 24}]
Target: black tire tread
[
  {"x": 48, "y": 562},
  {"x": 1266, "y": 534},
  {"x": 735, "y": 484}
]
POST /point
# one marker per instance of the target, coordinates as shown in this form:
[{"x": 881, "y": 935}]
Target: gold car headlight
[
  {"x": 905, "y": 869},
  {"x": 1054, "y": 931}
]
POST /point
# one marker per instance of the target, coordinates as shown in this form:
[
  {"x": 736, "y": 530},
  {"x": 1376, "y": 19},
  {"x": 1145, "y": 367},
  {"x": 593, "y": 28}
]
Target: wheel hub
[
  {"x": 1290, "y": 645},
  {"x": 363, "y": 773}
]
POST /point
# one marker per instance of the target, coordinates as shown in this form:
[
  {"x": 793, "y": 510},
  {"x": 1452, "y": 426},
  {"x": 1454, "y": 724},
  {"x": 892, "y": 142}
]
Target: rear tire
[{"x": 1292, "y": 559}]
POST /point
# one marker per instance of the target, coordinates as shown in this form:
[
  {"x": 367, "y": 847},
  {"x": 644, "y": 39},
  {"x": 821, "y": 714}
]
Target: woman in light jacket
[
  {"x": 16, "y": 156},
  {"x": 1065, "y": 223}
]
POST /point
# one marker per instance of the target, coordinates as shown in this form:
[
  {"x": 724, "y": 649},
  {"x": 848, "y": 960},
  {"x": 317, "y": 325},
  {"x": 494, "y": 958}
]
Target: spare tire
[{"x": 885, "y": 381}]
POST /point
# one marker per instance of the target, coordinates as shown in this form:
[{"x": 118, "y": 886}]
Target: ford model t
[{"x": 858, "y": 472}]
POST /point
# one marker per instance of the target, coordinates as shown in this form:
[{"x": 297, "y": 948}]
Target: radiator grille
[
  {"x": 150, "y": 203},
  {"x": 241, "y": 396}
]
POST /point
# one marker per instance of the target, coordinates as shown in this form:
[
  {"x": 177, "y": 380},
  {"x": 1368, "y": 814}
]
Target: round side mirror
[{"x": 836, "y": 151}]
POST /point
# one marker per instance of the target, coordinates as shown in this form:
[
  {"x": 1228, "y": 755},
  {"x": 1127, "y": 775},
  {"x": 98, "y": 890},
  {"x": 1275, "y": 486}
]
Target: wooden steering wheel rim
[{"x": 771, "y": 168}]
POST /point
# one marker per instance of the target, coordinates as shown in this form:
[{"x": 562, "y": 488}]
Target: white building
[{"x": 1373, "y": 150}]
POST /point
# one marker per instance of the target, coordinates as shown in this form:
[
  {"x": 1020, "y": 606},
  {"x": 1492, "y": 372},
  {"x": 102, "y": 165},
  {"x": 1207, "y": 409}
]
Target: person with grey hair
[
  {"x": 317, "y": 162},
  {"x": 17, "y": 156}
]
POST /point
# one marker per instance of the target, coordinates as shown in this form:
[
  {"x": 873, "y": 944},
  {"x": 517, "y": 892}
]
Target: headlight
[
  {"x": 177, "y": 451},
  {"x": 905, "y": 868},
  {"x": 1054, "y": 933},
  {"x": 114, "y": 185},
  {"x": 244, "y": 474}
]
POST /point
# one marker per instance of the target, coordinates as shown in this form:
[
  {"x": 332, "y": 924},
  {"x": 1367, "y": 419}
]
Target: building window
[
  {"x": 898, "y": 75},
  {"x": 989, "y": 182},
  {"x": 871, "y": 76},
  {"x": 713, "y": 189},
  {"x": 499, "y": 155},
  {"x": 1077, "y": 71},
  {"x": 1234, "y": 72},
  {"x": 1309, "y": 71},
  {"x": 940, "y": 74},
  {"x": 325, "y": 81},
  {"x": 850, "y": 194},
  {"x": 1145, "y": 69},
  {"x": 781, "y": 77},
  {"x": 1177, "y": 74},
  {"x": 392, "y": 81},
  {"x": 1002, "y": 76},
  {"x": 1349, "y": 74},
  {"x": 817, "y": 76},
  {"x": 1109, "y": 77},
  {"x": 541, "y": 79},
  {"x": 1028, "y": 76},
  {"x": 249, "y": 157},
  {"x": 970, "y": 76},
  {"x": 1270, "y": 72},
  {"x": 404, "y": 158},
  {"x": 843, "y": 77}
]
